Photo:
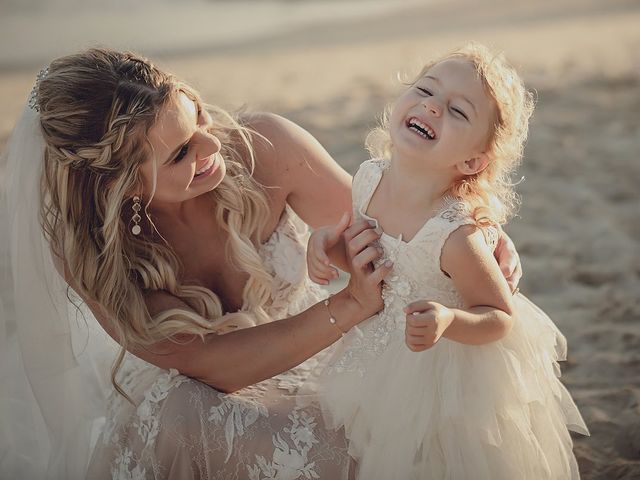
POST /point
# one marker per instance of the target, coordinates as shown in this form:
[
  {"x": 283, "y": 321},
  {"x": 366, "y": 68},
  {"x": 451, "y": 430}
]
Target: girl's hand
[
  {"x": 508, "y": 260},
  {"x": 426, "y": 323},
  {"x": 365, "y": 282},
  {"x": 320, "y": 242}
]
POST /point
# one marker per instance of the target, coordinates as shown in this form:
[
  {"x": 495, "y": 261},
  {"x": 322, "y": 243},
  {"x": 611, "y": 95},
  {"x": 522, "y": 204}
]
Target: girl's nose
[{"x": 433, "y": 107}]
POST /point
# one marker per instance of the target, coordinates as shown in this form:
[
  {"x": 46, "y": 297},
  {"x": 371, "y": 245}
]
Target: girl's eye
[
  {"x": 425, "y": 91},
  {"x": 459, "y": 112},
  {"x": 183, "y": 151}
]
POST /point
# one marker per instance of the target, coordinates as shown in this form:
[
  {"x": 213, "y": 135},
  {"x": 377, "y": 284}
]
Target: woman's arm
[
  {"x": 243, "y": 357},
  {"x": 315, "y": 186},
  {"x": 487, "y": 314},
  {"x": 240, "y": 358}
]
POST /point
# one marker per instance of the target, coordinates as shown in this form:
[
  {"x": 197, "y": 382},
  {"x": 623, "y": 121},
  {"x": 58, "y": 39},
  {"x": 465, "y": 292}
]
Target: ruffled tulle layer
[{"x": 493, "y": 412}]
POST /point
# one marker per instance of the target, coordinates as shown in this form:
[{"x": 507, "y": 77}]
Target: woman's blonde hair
[
  {"x": 96, "y": 109},
  {"x": 490, "y": 192}
]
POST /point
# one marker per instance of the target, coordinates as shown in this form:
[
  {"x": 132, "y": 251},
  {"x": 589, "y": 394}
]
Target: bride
[{"x": 183, "y": 230}]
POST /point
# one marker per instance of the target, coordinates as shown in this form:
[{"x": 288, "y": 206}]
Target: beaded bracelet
[{"x": 332, "y": 319}]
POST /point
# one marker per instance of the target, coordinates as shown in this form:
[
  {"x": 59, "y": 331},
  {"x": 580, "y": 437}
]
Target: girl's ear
[{"x": 474, "y": 165}]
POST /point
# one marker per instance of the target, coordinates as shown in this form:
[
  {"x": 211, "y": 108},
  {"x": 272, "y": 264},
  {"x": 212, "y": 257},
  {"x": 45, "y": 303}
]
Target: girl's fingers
[
  {"x": 319, "y": 272},
  {"x": 418, "y": 306},
  {"x": 414, "y": 337},
  {"x": 416, "y": 320},
  {"x": 416, "y": 347},
  {"x": 337, "y": 230},
  {"x": 319, "y": 279},
  {"x": 320, "y": 266},
  {"x": 321, "y": 256}
]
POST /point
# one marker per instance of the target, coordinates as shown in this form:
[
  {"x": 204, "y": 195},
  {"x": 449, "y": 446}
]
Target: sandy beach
[{"x": 578, "y": 230}]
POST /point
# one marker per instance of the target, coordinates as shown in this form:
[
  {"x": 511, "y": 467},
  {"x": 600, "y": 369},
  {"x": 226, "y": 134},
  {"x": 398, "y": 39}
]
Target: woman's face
[{"x": 186, "y": 157}]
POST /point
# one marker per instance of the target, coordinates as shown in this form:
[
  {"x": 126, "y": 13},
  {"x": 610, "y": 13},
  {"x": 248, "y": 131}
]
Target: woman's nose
[{"x": 209, "y": 145}]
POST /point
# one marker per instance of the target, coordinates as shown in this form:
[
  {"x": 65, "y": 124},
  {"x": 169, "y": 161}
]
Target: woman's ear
[{"x": 473, "y": 165}]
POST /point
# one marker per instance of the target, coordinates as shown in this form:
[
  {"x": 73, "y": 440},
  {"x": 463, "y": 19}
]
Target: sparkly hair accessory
[{"x": 33, "y": 96}]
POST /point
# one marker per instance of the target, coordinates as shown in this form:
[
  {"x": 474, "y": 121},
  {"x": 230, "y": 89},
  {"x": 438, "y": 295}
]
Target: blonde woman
[{"x": 182, "y": 228}]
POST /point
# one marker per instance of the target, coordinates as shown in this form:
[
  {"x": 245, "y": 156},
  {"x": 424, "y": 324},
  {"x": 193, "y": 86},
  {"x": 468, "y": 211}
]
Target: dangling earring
[{"x": 136, "y": 229}]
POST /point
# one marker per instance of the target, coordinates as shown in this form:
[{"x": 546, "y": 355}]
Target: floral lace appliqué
[
  {"x": 290, "y": 459},
  {"x": 237, "y": 412}
]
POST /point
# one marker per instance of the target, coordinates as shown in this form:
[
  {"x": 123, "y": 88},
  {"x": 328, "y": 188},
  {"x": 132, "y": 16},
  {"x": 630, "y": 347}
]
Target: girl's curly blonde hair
[
  {"x": 96, "y": 108},
  {"x": 491, "y": 192}
]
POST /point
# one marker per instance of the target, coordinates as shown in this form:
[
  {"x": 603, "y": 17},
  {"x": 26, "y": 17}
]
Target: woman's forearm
[
  {"x": 478, "y": 325},
  {"x": 238, "y": 359}
]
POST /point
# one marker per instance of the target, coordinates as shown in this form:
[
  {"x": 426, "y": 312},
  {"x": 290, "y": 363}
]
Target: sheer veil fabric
[{"x": 54, "y": 358}]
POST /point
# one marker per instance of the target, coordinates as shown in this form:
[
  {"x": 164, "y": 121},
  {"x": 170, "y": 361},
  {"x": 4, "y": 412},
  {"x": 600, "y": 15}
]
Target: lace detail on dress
[
  {"x": 181, "y": 428},
  {"x": 289, "y": 461},
  {"x": 416, "y": 273},
  {"x": 487, "y": 412},
  {"x": 284, "y": 255}
]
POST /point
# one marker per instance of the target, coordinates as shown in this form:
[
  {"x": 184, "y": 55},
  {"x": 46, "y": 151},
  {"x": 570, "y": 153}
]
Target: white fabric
[
  {"x": 491, "y": 412},
  {"x": 181, "y": 428},
  {"x": 54, "y": 364},
  {"x": 57, "y": 402}
]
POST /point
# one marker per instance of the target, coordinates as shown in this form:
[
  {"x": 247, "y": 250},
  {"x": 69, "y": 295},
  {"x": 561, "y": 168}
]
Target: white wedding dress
[
  {"x": 60, "y": 417},
  {"x": 180, "y": 428},
  {"x": 491, "y": 412}
]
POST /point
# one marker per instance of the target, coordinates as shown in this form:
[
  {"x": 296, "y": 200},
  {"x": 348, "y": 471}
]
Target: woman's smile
[{"x": 211, "y": 165}]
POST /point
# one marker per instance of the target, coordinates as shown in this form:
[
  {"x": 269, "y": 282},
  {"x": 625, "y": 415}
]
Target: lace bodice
[
  {"x": 181, "y": 428},
  {"x": 416, "y": 272},
  {"x": 494, "y": 411}
]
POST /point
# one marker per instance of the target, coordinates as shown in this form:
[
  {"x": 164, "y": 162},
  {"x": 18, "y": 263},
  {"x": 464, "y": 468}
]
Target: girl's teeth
[{"x": 421, "y": 129}]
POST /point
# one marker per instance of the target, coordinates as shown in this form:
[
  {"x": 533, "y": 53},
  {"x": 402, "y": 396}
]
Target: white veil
[{"x": 54, "y": 357}]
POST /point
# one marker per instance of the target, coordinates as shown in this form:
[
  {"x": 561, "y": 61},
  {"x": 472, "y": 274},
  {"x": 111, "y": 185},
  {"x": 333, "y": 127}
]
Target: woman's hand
[
  {"x": 321, "y": 243},
  {"x": 426, "y": 323},
  {"x": 365, "y": 282},
  {"x": 508, "y": 260}
]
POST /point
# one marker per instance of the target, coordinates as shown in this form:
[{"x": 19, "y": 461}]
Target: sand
[{"x": 578, "y": 229}]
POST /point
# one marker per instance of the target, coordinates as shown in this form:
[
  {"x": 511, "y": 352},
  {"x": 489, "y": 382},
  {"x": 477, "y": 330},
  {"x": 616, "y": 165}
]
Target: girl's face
[
  {"x": 444, "y": 119},
  {"x": 187, "y": 158}
]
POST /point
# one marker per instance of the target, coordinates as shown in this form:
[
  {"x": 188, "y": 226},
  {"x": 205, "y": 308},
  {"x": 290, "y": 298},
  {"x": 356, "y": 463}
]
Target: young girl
[{"x": 457, "y": 377}]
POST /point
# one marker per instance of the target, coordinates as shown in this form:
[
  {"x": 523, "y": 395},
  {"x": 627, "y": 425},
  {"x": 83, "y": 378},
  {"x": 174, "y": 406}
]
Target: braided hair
[{"x": 96, "y": 108}]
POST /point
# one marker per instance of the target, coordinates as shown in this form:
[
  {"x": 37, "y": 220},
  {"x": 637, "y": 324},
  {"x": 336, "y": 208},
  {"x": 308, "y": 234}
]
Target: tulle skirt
[{"x": 455, "y": 411}]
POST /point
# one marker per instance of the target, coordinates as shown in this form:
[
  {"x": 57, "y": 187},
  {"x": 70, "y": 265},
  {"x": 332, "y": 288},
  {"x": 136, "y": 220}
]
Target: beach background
[{"x": 332, "y": 67}]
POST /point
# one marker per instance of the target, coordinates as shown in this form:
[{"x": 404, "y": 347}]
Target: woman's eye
[
  {"x": 183, "y": 151},
  {"x": 459, "y": 112},
  {"x": 424, "y": 91}
]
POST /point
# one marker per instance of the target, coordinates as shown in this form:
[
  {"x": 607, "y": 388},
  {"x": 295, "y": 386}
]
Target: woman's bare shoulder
[
  {"x": 291, "y": 159},
  {"x": 283, "y": 149}
]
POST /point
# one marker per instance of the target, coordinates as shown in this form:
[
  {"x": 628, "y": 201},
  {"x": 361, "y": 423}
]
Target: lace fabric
[
  {"x": 181, "y": 428},
  {"x": 496, "y": 411}
]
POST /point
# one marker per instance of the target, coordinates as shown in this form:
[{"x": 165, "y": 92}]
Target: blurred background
[{"x": 332, "y": 66}]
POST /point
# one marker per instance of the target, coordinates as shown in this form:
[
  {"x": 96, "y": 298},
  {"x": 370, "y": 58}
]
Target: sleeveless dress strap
[
  {"x": 453, "y": 216},
  {"x": 365, "y": 181}
]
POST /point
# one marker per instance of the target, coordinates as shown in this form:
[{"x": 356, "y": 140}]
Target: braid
[{"x": 96, "y": 108}]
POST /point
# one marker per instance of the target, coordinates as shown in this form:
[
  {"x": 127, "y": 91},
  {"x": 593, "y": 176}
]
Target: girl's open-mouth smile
[{"x": 420, "y": 128}]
